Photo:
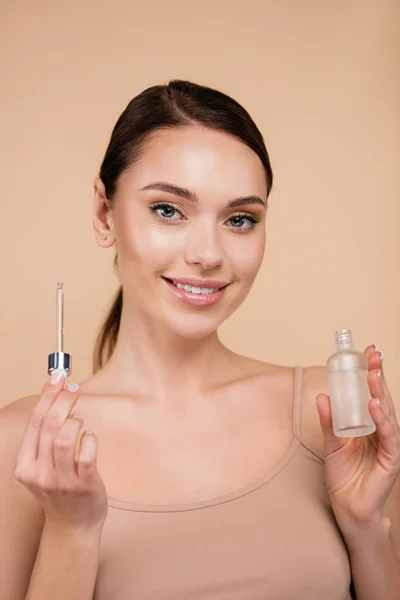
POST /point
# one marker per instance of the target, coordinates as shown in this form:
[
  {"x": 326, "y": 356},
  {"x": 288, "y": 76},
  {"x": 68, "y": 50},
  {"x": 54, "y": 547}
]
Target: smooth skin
[
  {"x": 58, "y": 467},
  {"x": 160, "y": 338}
]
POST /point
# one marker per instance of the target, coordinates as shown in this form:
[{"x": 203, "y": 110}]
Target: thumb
[{"x": 331, "y": 441}]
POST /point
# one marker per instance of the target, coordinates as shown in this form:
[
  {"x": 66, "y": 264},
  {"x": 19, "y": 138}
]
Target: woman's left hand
[{"x": 360, "y": 472}]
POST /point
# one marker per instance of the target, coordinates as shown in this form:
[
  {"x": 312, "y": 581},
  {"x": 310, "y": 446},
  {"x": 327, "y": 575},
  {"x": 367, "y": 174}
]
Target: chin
[{"x": 194, "y": 328}]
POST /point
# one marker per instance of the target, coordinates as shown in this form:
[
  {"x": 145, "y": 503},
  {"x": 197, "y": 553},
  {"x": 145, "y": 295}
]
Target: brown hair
[{"x": 159, "y": 107}]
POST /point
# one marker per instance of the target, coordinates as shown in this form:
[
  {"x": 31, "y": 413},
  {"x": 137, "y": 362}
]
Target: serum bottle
[{"x": 349, "y": 392}]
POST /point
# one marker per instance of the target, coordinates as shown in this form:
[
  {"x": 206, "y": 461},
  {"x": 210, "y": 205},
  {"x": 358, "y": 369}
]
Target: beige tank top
[{"x": 276, "y": 539}]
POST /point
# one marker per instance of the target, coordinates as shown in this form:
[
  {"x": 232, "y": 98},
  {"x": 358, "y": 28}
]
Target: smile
[{"x": 195, "y": 296}]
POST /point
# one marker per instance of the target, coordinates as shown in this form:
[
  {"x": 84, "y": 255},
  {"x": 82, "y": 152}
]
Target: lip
[
  {"x": 199, "y": 300},
  {"x": 193, "y": 281}
]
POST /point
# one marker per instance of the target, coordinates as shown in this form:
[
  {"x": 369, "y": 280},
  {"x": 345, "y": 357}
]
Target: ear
[{"x": 102, "y": 216}]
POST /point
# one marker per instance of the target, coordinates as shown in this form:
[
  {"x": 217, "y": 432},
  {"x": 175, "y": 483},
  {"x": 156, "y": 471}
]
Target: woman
[{"x": 207, "y": 474}]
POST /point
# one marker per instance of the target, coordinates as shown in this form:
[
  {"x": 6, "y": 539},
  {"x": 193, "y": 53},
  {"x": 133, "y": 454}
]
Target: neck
[{"x": 151, "y": 360}]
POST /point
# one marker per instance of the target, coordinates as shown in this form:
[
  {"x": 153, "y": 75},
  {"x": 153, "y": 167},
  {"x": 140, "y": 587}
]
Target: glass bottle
[{"x": 348, "y": 388}]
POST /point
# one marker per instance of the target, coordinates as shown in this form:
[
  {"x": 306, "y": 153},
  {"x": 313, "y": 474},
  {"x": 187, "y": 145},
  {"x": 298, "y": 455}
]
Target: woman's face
[{"x": 184, "y": 238}]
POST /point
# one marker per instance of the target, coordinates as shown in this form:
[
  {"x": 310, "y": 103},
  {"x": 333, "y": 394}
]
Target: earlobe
[
  {"x": 105, "y": 241},
  {"x": 101, "y": 212},
  {"x": 104, "y": 238}
]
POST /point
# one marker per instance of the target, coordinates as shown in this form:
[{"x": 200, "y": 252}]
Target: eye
[
  {"x": 164, "y": 207},
  {"x": 252, "y": 219}
]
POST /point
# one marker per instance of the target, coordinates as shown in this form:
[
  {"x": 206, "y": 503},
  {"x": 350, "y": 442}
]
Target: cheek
[
  {"x": 247, "y": 258},
  {"x": 149, "y": 243}
]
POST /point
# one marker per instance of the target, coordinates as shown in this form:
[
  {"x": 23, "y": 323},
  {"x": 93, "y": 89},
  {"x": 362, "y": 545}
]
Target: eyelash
[{"x": 252, "y": 218}]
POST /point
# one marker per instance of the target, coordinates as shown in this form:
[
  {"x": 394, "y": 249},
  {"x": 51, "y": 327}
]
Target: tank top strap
[
  {"x": 297, "y": 414},
  {"x": 297, "y": 387}
]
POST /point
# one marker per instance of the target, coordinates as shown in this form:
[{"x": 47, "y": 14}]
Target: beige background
[{"x": 322, "y": 81}]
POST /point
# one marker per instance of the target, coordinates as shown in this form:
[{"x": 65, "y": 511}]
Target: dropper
[{"x": 59, "y": 361}]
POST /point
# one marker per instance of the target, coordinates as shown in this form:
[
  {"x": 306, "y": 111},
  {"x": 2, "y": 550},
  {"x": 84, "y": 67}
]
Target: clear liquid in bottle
[{"x": 349, "y": 391}]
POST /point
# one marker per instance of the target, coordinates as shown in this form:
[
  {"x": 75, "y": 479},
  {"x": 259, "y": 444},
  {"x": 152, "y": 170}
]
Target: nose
[{"x": 202, "y": 248}]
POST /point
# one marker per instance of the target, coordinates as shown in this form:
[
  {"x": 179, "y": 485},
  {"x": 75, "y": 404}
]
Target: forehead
[{"x": 201, "y": 159}]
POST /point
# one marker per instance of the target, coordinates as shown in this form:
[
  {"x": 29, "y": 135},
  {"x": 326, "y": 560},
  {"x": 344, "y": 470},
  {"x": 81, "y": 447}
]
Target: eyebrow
[{"x": 192, "y": 197}]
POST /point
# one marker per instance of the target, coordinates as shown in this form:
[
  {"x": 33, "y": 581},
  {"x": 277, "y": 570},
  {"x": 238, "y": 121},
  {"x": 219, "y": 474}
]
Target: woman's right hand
[{"x": 71, "y": 492}]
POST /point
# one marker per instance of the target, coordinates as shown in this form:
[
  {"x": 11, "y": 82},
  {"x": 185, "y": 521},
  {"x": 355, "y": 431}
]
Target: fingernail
[
  {"x": 56, "y": 378},
  {"x": 381, "y": 353},
  {"x": 379, "y": 373},
  {"x": 72, "y": 387}
]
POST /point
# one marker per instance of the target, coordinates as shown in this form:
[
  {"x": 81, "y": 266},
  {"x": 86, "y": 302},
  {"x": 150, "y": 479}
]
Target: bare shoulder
[
  {"x": 315, "y": 381},
  {"x": 253, "y": 368},
  {"x": 21, "y": 517},
  {"x": 14, "y": 418},
  {"x": 20, "y": 406},
  {"x": 281, "y": 380}
]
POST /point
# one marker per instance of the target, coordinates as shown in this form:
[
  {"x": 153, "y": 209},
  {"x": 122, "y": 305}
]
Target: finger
[
  {"x": 64, "y": 447},
  {"x": 370, "y": 350},
  {"x": 388, "y": 438},
  {"x": 379, "y": 389},
  {"x": 384, "y": 382},
  {"x": 30, "y": 444},
  {"x": 375, "y": 361},
  {"x": 52, "y": 423},
  {"x": 331, "y": 441},
  {"x": 376, "y": 390},
  {"x": 374, "y": 358},
  {"x": 87, "y": 460}
]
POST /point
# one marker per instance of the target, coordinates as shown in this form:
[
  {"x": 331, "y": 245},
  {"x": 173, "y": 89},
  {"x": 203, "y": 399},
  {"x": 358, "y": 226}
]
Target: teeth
[{"x": 195, "y": 290}]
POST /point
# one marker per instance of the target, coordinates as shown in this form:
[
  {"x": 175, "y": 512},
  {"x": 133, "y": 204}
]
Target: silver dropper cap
[{"x": 59, "y": 360}]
